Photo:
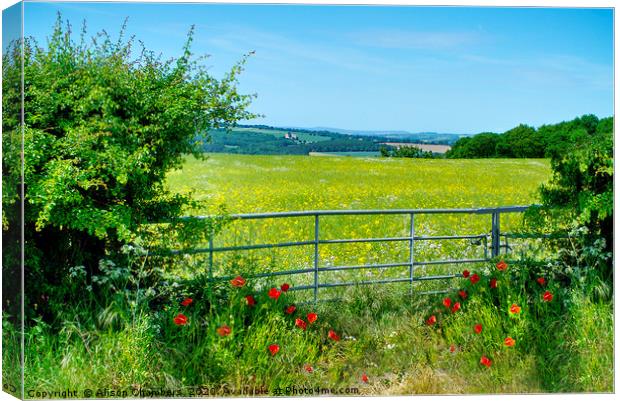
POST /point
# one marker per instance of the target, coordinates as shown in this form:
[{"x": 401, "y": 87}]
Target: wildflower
[
  {"x": 509, "y": 342},
  {"x": 465, "y": 273},
  {"x": 250, "y": 300},
  {"x": 501, "y": 265},
  {"x": 284, "y": 287},
  {"x": 180, "y": 319},
  {"x": 485, "y": 361},
  {"x": 290, "y": 309},
  {"x": 300, "y": 323},
  {"x": 455, "y": 307},
  {"x": 274, "y": 293},
  {"x": 312, "y": 317},
  {"x": 493, "y": 283},
  {"x": 274, "y": 349},
  {"x": 447, "y": 302},
  {"x": 308, "y": 368},
  {"x": 474, "y": 278},
  {"x": 332, "y": 334},
  {"x": 223, "y": 330},
  {"x": 547, "y": 296},
  {"x": 463, "y": 294},
  {"x": 452, "y": 348},
  {"x": 478, "y": 328},
  {"x": 514, "y": 309},
  {"x": 365, "y": 378},
  {"x": 541, "y": 280},
  {"x": 187, "y": 301},
  {"x": 431, "y": 320},
  {"x": 237, "y": 282}
]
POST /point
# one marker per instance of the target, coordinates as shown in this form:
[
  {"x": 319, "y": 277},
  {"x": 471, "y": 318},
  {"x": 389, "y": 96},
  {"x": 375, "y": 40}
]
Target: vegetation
[
  {"x": 549, "y": 141},
  {"x": 410, "y": 152},
  {"x": 261, "y": 141},
  {"x": 104, "y": 122}
]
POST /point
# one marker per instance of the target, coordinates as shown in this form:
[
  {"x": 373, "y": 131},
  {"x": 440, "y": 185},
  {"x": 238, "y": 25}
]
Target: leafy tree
[
  {"x": 480, "y": 145},
  {"x": 104, "y": 121},
  {"x": 521, "y": 141},
  {"x": 582, "y": 186}
]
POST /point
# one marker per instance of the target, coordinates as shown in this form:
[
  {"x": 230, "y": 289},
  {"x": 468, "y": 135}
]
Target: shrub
[{"x": 104, "y": 121}]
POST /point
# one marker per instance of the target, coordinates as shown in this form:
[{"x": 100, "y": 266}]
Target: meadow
[{"x": 252, "y": 184}]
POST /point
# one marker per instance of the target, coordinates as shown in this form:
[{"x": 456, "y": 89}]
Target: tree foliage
[
  {"x": 524, "y": 141},
  {"x": 104, "y": 121}
]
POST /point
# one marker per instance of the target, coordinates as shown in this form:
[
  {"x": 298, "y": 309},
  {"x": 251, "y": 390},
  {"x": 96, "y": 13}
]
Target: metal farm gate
[{"x": 491, "y": 241}]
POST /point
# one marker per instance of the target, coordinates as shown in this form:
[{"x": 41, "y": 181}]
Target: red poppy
[
  {"x": 332, "y": 334},
  {"x": 223, "y": 330},
  {"x": 541, "y": 280},
  {"x": 274, "y": 349},
  {"x": 478, "y": 328},
  {"x": 284, "y": 287},
  {"x": 463, "y": 294},
  {"x": 187, "y": 301},
  {"x": 365, "y": 378},
  {"x": 300, "y": 323},
  {"x": 485, "y": 361},
  {"x": 180, "y": 319},
  {"x": 431, "y": 320},
  {"x": 250, "y": 299},
  {"x": 474, "y": 278},
  {"x": 514, "y": 309},
  {"x": 547, "y": 296},
  {"x": 453, "y": 348},
  {"x": 493, "y": 283},
  {"x": 274, "y": 293},
  {"x": 501, "y": 265},
  {"x": 509, "y": 342},
  {"x": 465, "y": 273},
  {"x": 312, "y": 317},
  {"x": 455, "y": 307},
  {"x": 308, "y": 368},
  {"x": 447, "y": 302},
  {"x": 290, "y": 309},
  {"x": 237, "y": 282}
]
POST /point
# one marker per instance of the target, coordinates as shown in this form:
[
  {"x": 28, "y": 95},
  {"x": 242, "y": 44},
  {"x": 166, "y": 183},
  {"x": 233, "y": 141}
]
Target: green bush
[{"x": 104, "y": 121}]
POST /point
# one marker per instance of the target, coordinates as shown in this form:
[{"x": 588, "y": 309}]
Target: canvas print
[{"x": 302, "y": 200}]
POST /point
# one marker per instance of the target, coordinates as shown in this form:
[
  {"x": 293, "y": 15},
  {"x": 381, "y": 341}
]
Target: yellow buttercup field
[{"x": 253, "y": 184}]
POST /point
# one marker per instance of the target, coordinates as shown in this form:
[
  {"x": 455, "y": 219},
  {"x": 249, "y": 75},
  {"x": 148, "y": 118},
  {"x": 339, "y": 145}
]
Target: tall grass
[{"x": 563, "y": 345}]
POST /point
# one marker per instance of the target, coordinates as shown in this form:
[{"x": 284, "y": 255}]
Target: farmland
[{"x": 250, "y": 184}]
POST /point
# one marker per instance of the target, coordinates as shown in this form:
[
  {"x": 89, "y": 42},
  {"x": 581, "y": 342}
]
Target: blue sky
[{"x": 444, "y": 69}]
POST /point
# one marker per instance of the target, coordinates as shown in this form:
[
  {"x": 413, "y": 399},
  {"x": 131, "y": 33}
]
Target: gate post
[
  {"x": 495, "y": 234},
  {"x": 316, "y": 257},
  {"x": 411, "y": 235},
  {"x": 210, "y": 289}
]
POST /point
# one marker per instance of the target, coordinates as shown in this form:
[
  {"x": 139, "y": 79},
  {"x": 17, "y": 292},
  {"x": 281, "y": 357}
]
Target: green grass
[{"x": 563, "y": 346}]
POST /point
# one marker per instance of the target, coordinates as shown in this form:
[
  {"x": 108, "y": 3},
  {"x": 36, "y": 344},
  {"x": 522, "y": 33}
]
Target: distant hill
[
  {"x": 264, "y": 139},
  {"x": 437, "y": 138}
]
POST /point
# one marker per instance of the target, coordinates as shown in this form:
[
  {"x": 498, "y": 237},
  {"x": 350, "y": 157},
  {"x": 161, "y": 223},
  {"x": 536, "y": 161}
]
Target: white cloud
[{"x": 398, "y": 39}]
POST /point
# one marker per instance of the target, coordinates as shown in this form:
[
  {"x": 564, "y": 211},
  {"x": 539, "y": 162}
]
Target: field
[
  {"x": 250, "y": 184},
  {"x": 423, "y": 146}
]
